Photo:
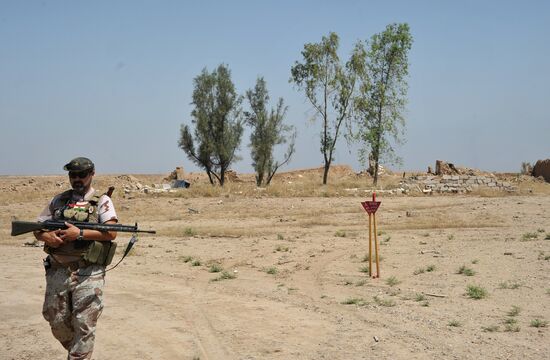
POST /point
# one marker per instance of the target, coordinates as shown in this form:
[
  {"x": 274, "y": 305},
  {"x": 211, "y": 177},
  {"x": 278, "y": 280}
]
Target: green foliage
[
  {"x": 514, "y": 311},
  {"x": 465, "y": 271},
  {"x": 382, "y": 95},
  {"x": 329, "y": 87},
  {"x": 392, "y": 281},
  {"x": 271, "y": 270},
  {"x": 539, "y": 323},
  {"x": 355, "y": 301},
  {"x": 340, "y": 233},
  {"x": 476, "y": 292},
  {"x": 268, "y": 130},
  {"x": 420, "y": 297},
  {"x": 218, "y": 124},
  {"x": 189, "y": 232},
  {"x": 215, "y": 268},
  {"x": 454, "y": 323},
  {"x": 225, "y": 275},
  {"x": 529, "y": 236},
  {"x": 490, "y": 328}
]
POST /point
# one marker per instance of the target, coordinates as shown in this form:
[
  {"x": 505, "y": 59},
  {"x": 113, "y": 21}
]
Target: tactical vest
[{"x": 63, "y": 208}]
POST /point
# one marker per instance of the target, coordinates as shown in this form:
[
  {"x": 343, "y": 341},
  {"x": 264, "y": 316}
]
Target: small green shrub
[
  {"x": 355, "y": 301},
  {"x": 420, "y": 297},
  {"x": 280, "y": 237},
  {"x": 430, "y": 268},
  {"x": 196, "y": 262},
  {"x": 529, "y": 236},
  {"x": 392, "y": 281},
  {"x": 454, "y": 323},
  {"x": 340, "y": 233},
  {"x": 185, "y": 259},
  {"x": 539, "y": 323},
  {"x": 476, "y": 292},
  {"x": 271, "y": 270},
  {"x": 465, "y": 271},
  {"x": 490, "y": 328},
  {"x": 225, "y": 275},
  {"x": 215, "y": 268},
  {"x": 189, "y": 232},
  {"x": 514, "y": 311}
]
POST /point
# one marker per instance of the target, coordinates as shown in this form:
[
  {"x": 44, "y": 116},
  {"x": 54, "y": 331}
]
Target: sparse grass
[
  {"x": 539, "y": 323},
  {"x": 476, "y": 292},
  {"x": 215, "y": 268},
  {"x": 547, "y": 237},
  {"x": 280, "y": 237},
  {"x": 392, "y": 281},
  {"x": 282, "y": 248},
  {"x": 340, "y": 233},
  {"x": 189, "y": 232},
  {"x": 272, "y": 270},
  {"x": 384, "y": 302},
  {"x": 355, "y": 301},
  {"x": 196, "y": 262},
  {"x": 450, "y": 237},
  {"x": 185, "y": 259},
  {"x": 387, "y": 239},
  {"x": 475, "y": 261},
  {"x": 510, "y": 325},
  {"x": 541, "y": 230},
  {"x": 542, "y": 256},
  {"x": 425, "y": 303},
  {"x": 529, "y": 236},
  {"x": 420, "y": 297},
  {"x": 454, "y": 323},
  {"x": 490, "y": 328},
  {"x": 430, "y": 268},
  {"x": 426, "y": 234},
  {"x": 465, "y": 271},
  {"x": 364, "y": 269},
  {"x": 225, "y": 275},
  {"x": 419, "y": 271},
  {"x": 508, "y": 285},
  {"x": 366, "y": 258},
  {"x": 514, "y": 311}
]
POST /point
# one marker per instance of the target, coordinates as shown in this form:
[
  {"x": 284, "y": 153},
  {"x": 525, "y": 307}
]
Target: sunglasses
[{"x": 79, "y": 174}]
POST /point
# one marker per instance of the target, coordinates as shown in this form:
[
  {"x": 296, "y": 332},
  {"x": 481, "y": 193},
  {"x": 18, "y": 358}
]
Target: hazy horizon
[{"x": 113, "y": 80}]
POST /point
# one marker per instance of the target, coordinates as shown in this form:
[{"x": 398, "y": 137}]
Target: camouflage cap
[{"x": 79, "y": 164}]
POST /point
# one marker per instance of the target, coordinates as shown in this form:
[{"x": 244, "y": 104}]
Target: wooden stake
[
  {"x": 376, "y": 246},
  {"x": 370, "y": 245}
]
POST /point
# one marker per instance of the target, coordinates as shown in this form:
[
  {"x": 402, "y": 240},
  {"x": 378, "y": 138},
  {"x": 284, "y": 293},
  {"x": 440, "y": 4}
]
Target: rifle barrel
[{"x": 22, "y": 227}]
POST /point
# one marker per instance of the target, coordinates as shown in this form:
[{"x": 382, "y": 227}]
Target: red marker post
[{"x": 371, "y": 207}]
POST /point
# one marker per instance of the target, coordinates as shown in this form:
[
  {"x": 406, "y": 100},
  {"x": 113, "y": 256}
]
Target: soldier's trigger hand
[
  {"x": 70, "y": 233},
  {"x": 52, "y": 239}
]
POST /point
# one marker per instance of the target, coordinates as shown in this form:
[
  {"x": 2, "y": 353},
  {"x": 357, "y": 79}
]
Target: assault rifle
[{"x": 23, "y": 227}]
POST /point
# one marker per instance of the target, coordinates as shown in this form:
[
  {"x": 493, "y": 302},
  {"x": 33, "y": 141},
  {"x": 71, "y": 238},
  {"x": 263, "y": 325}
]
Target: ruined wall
[
  {"x": 542, "y": 168},
  {"x": 455, "y": 183}
]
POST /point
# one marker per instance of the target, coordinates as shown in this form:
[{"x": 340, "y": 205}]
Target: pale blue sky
[{"x": 112, "y": 80}]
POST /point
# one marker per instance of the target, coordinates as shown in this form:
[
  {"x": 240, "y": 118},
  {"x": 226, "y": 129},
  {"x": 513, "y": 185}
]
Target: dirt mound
[{"x": 542, "y": 168}]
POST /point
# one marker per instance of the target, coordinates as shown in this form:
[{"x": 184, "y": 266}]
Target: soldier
[{"x": 74, "y": 283}]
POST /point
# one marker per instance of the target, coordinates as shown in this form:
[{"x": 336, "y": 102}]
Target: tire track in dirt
[{"x": 181, "y": 301}]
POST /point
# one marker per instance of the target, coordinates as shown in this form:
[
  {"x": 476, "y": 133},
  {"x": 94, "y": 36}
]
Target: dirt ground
[{"x": 232, "y": 276}]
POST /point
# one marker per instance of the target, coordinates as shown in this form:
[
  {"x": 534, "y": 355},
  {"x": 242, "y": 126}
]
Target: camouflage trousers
[{"x": 72, "y": 305}]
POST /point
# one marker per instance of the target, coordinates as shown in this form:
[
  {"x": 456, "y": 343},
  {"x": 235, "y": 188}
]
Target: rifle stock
[{"x": 23, "y": 227}]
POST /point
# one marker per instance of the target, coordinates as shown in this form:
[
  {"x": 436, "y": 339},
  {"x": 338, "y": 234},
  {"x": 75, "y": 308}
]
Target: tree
[
  {"x": 329, "y": 87},
  {"x": 268, "y": 131},
  {"x": 382, "y": 95},
  {"x": 217, "y": 117}
]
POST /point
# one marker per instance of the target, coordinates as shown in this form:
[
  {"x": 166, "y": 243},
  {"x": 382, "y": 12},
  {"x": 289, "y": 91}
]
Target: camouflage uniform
[
  {"x": 74, "y": 288},
  {"x": 72, "y": 306}
]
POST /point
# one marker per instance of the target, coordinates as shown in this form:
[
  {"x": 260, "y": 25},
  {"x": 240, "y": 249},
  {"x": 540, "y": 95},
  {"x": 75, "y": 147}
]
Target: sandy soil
[{"x": 300, "y": 289}]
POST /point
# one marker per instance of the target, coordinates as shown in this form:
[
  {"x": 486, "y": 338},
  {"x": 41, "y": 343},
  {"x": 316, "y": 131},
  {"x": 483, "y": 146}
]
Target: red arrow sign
[{"x": 371, "y": 206}]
